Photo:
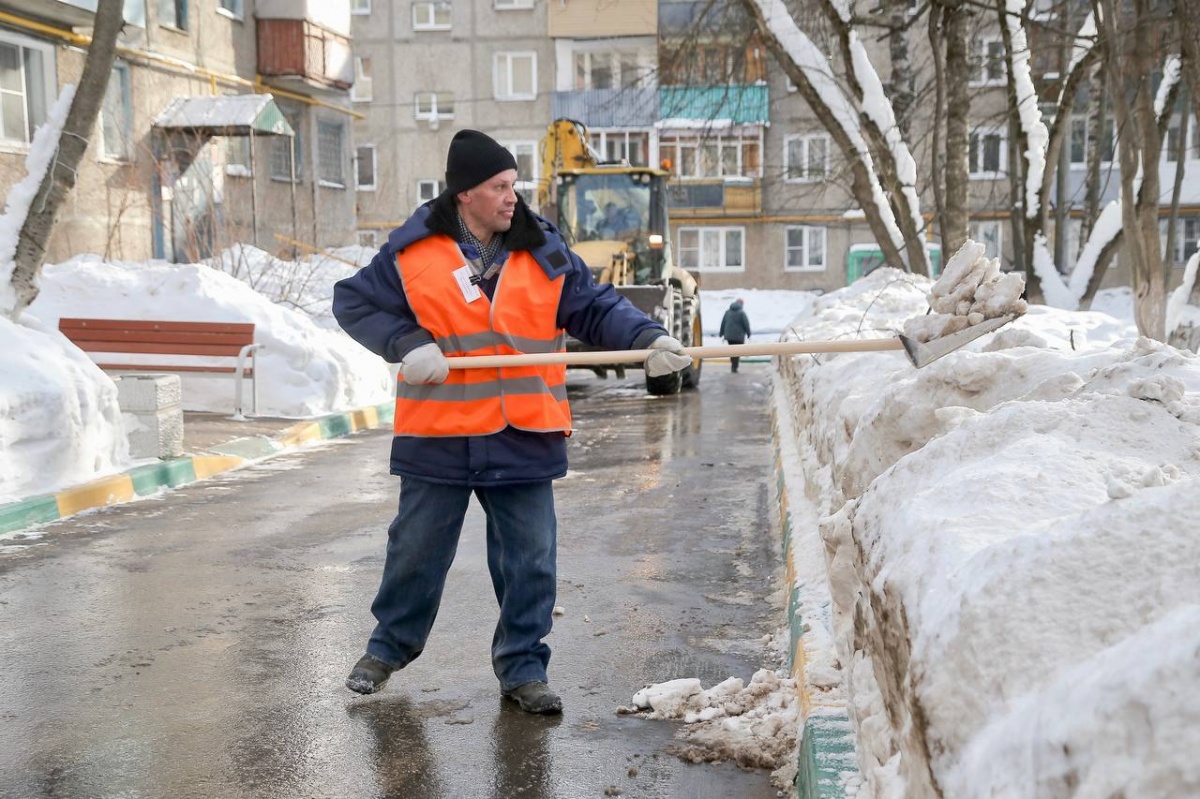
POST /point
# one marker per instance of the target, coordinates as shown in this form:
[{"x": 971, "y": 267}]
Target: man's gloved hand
[
  {"x": 425, "y": 364},
  {"x": 667, "y": 357}
]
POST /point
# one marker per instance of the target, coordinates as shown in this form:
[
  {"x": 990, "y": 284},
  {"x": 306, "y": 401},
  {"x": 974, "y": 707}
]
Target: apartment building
[
  {"x": 427, "y": 68},
  {"x": 224, "y": 121},
  {"x": 760, "y": 196}
]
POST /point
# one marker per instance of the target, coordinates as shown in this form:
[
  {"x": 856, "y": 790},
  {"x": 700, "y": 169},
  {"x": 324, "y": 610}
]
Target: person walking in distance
[
  {"x": 735, "y": 328},
  {"x": 476, "y": 272}
]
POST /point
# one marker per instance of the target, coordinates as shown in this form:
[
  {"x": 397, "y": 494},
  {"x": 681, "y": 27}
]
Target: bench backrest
[{"x": 170, "y": 338}]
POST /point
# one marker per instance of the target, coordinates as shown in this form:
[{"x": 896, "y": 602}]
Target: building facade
[
  {"x": 177, "y": 169},
  {"x": 427, "y": 68},
  {"x": 760, "y": 196}
]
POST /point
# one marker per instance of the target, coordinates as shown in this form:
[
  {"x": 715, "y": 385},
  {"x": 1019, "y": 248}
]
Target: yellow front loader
[{"x": 615, "y": 217}]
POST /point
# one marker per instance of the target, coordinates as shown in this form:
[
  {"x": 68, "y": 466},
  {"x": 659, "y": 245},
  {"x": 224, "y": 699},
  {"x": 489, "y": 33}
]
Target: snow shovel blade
[{"x": 923, "y": 354}]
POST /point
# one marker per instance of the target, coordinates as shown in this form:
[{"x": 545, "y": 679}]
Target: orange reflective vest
[{"x": 521, "y": 317}]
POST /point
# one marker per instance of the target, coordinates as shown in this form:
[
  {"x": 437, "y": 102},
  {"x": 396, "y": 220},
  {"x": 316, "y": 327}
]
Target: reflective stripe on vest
[{"x": 521, "y": 317}]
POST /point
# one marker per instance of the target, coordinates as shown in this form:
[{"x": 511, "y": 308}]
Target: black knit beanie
[{"x": 473, "y": 158}]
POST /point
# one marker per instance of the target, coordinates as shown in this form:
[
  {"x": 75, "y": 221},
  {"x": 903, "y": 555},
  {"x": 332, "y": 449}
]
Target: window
[
  {"x": 368, "y": 238},
  {"x": 433, "y": 106},
  {"x": 428, "y": 190},
  {"x": 281, "y": 151},
  {"x": 364, "y": 173},
  {"x": 1187, "y": 238},
  {"x": 608, "y": 70},
  {"x": 1171, "y": 144},
  {"x": 804, "y": 249},
  {"x": 361, "y": 91},
  {"x": 988, "y": 234},
  {"x": 173, "y": 13},
  {"x": 360, "y": 6},
  {"x": 1079, "y": 141},
  {"x": 632, "y": 147},
  {"x": 806, "y": 158},
  {"x": 527, "y": 168},
  {"x": 515, "y": 76},
  {"x": 727, "y": 155},
  {"x": 712, "y": 249},
  {"x": 116, "y": 115},
  {"x": 988, "y": 154},
  {"x": 987, "y": 62},
  {"x": 329, "y": 153},
  {"x": 512, "y": 5},
  {"x": 24, "y": 87},
  {"x": 234, "y": 8},
  {"x": 237, "y": 156},
  {"x": 431, "y": 16}
]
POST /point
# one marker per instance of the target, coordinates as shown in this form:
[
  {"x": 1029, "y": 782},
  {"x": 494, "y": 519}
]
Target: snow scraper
[{"x": 920, "y": 353}]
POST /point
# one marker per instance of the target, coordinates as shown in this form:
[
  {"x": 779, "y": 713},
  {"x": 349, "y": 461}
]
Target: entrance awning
[{"x": 229, "y": 115}]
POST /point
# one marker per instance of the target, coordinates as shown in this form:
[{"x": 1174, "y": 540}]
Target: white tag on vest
[{"x": 469, "y": 290}]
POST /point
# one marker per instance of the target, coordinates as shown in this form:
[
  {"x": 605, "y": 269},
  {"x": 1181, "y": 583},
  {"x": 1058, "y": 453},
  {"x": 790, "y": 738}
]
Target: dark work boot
[
  {"x": 535, "y": 697},
  {"x": 369, "y": 675}
]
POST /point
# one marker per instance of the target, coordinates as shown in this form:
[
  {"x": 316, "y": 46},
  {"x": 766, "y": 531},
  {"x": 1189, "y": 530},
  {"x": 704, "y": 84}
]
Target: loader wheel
[{"x": 669, "y": 384}]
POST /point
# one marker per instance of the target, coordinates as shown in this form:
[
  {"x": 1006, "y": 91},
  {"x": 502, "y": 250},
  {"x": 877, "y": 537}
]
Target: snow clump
[{"x": 971, "y": 289}]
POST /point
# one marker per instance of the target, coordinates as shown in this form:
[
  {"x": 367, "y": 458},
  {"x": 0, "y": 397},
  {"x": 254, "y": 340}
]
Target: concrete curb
[
  {"x": 827, "y": 754},
  {"x": 149, "y": 478}
]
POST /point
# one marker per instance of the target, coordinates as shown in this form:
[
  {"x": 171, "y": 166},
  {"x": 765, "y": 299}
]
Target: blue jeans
[{"x": 521, "y": 554}]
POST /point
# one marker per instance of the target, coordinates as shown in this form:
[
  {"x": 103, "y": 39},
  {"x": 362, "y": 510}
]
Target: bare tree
[
  {"x": 1187, "y": 334},
  {"x": 853, "y": 107},
  {"x": 60, "y": 177}
]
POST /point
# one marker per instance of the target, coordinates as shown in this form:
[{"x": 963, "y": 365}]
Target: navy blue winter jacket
[{"x": 372, "y": 308}]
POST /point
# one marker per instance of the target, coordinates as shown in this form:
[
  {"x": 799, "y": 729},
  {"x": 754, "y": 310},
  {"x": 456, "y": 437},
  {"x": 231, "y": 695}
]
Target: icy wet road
[{"x": 194, "y": 645}]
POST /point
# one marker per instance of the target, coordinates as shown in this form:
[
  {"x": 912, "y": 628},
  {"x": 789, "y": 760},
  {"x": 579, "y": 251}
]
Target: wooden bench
[{"x": 204, "y": 341}]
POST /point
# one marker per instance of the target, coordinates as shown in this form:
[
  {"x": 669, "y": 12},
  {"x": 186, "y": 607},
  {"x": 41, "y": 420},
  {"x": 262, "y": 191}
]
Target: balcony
[
  {"x": 305, "y": 41},
  {"x": 737, "y": 105},
  {"x": 709, "y": 197},
  {"x": 608, "y": 108}
]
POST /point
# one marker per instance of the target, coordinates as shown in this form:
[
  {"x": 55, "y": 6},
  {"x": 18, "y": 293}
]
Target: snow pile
[
  {"x": 59, "y": 420},
  {"x": 1014, "y": 572},
  {"x": 304, "y": 369},
  {"x": 769, "y": 310},
  {"x": 971, "y": 289},
  {"x": 752, "y": 725},
  {"x": 305, "y": 285}
]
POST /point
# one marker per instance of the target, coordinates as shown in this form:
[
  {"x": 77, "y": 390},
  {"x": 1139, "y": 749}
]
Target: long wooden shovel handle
[{"x": 637, "y": 356}]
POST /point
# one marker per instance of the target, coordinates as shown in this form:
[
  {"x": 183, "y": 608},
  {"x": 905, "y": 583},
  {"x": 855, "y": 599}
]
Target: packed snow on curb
[{"x": 1012, "y": 557}]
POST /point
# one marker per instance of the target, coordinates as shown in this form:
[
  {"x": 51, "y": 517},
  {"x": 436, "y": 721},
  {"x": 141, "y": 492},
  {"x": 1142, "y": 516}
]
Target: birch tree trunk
[
  {"x": 958, "y": 126},
  {"x": 1129, "y": 63},
  {"x": 72, "y": 145}
]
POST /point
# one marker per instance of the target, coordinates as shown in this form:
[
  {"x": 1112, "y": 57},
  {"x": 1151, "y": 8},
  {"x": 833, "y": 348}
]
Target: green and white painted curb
[
  {"x": 150, "y": 478},
  {"x": 827, "y": 753}
]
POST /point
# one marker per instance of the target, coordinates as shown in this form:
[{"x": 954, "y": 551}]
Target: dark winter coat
[
  {"x": 735, "y": 325},
  {"x": 371, "y": 306}
]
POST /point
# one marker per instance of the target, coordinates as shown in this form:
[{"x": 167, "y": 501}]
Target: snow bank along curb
[
  {"x": 1010, "y": 549},
  {"x": 826, "y": 758},
  {"x": 147, "y": 479}
]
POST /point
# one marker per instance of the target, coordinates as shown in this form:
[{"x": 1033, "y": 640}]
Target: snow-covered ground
[{"x": 1015, "y": 583}]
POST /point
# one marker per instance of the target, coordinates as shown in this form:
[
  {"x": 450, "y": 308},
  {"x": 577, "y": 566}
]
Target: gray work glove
[
  {"x": 667, "y": 357},
  {"x": 425, "y": 364}
]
